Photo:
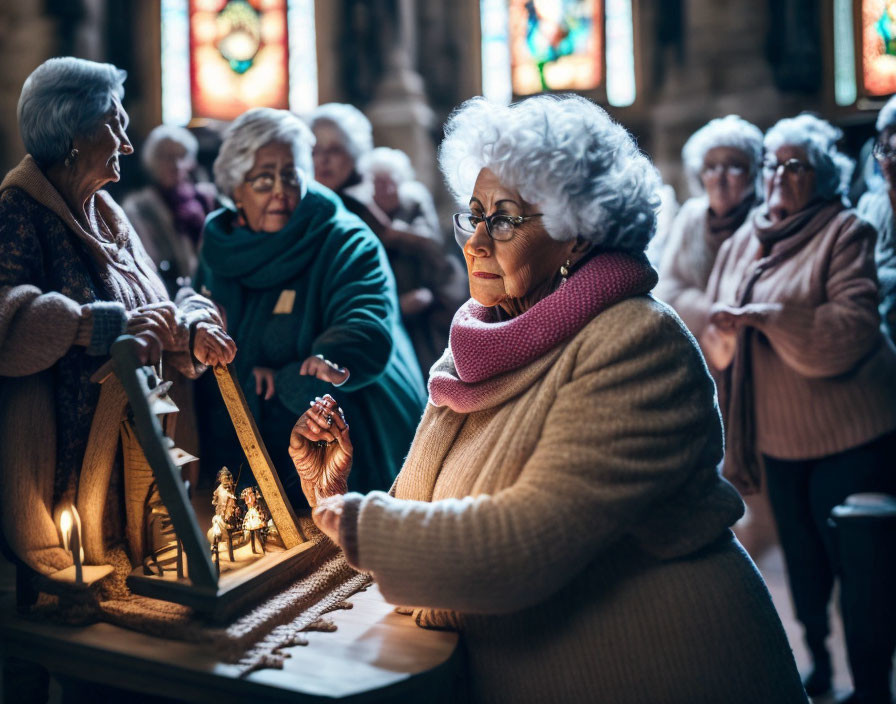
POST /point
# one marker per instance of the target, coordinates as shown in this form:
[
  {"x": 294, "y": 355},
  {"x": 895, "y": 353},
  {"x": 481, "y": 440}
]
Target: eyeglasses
[
  {"x": 719, "y": 169},
  {"x": 792, "y": 167},
  {"x": 883, "y": 151},
  {"x": 264, "y": 182},
  {"x": 500, "y": 227}
]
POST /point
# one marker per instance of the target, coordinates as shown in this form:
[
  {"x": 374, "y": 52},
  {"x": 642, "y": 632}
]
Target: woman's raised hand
[
  {"x": 321, "y": 450},
  {"x": 212, "y": 345},
  {"x": 324, "y": 369}
]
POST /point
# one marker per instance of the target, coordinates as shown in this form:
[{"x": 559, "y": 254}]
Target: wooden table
[{"x": 374, "y": 655}]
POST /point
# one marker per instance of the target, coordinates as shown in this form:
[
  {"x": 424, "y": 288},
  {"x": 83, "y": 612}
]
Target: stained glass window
[
  {"x": 532, "y": 46},
  {"x": 222, "y": 57},
  {"x": 555, "y": 45},
  {"x": 879, "y": 47}
]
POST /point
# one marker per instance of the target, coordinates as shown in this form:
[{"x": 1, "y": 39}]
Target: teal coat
[{"x": 327, "y": 276}]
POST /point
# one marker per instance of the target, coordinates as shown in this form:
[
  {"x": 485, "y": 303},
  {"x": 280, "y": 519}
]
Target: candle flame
[{"x": 65, "y": 524}]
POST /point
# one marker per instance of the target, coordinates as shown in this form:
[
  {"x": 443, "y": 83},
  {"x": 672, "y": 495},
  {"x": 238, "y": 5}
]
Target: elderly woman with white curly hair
[
  {"x": 169, "y": 213},
  {"x": 722, "y": 164},
  {"x": 807, "y": 380},
  {"x": 560, "y": 505},
  {"x": 309, "y": 297},
  {"x": 73, "y": 278},
  {"x": 876, "y": 206}
]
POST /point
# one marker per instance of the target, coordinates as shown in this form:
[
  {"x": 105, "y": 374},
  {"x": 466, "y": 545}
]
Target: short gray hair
[
  {"x": 252, "y": 130},
  {"x": 729, "y": 131},
  {"x": 387, "y": 160},
  {"x": 819, "y": 139},
  {"x": 563, "y": 153},
  {"x": 887, "y": 115},
  {"x": 353, "y": 125},
  {"x": 62, "y": 99},
  {"x": 166, "y": 133}
]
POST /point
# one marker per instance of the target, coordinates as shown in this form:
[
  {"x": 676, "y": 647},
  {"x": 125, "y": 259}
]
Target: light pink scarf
[{"x": 481, "y": 349}]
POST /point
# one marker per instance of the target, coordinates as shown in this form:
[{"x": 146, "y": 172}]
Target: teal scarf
[{"x": 236, "y": 262}]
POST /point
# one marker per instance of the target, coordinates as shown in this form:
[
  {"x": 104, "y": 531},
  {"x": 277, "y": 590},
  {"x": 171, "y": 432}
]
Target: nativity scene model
[{"x": 253, "y": 544}]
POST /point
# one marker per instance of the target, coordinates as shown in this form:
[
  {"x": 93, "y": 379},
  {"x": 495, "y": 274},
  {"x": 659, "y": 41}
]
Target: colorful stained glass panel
[
  {"x": 879, "y": 46},
  {"x": 555, "y": 44},
  {"x": 239, "y": 56}
]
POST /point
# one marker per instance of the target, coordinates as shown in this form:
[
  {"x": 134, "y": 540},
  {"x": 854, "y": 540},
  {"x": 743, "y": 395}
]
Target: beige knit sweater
[
  {"x": 576, "y": 530},
  {"x": 824, "y": 375}
]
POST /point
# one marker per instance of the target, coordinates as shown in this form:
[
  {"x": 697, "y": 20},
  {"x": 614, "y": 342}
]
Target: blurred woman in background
[
  {"x": 431, "y": 284},
  {"x": 169, "y": 213},
  {"x": 807, "y": 380},
  {"x": 876, "y": 206}
]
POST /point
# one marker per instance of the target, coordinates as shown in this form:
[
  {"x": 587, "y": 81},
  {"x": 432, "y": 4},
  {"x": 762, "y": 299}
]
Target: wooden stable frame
[{"x": 217, "y": 597}]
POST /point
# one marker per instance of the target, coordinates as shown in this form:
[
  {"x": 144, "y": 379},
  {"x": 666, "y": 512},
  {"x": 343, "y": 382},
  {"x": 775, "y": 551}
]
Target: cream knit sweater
[{"x": 575, "y": 529}]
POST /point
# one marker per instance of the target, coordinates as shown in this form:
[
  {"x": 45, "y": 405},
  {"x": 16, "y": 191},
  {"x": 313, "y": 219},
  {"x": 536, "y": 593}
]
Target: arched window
[
  {"x": 222, "y": 57},
  {"x": 532, "y": 46}
]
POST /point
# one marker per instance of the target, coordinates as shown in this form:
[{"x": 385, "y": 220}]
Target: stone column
[{"x": 399, "y": 111}]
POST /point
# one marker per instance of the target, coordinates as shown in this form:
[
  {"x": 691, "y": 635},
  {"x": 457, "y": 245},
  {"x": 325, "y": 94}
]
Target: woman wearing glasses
[
  {"x": 307, "y": 289},
  {"x": 877, "y": 208},
  {"x": 807, "y": 380},
  {"x": 721, "y": 160},
  {"x": 560, "y": 505}
]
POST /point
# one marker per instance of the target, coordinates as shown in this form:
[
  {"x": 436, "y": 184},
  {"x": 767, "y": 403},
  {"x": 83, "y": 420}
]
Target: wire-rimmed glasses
[{"x": 499, "y": 226}]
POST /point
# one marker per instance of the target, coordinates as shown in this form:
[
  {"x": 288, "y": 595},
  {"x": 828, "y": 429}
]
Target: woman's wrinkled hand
[
  {"x": 212, "y": 346},
  {"x": 327, "y": 516},
  {"x": 163, "y": 321},
  {"x": 324, "y": 369},
  {"x": 321, "y": 450},
  {"x": 148, "y": 347},
  {"x": 718, "y": 345},
  {"x": 264, "y": 382}
]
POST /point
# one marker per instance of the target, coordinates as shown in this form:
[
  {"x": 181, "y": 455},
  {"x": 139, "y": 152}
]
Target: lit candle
[{"x": 70, "y": 523}]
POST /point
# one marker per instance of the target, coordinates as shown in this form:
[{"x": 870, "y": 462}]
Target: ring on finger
[{"x": 329, "y": 420}]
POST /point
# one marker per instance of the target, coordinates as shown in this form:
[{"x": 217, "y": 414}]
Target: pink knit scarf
[{"x": 481, "y": 349}]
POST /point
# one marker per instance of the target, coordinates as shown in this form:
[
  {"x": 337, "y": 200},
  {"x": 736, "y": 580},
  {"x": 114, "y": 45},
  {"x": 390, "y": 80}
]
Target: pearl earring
[
  {"x": 72, "y": 156},
  {"x": 564, "y": 271}
]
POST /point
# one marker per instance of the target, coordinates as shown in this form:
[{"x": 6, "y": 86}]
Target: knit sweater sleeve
[
  {"x": 38, "y": 327},
  {"x": 625, "y": 432},
  {"x": 677, "y": 285},
  {"x": 829, "y": 339}
]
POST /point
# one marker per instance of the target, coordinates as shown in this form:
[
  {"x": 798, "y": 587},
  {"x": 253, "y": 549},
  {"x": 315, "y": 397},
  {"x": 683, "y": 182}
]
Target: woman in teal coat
[{"x": 310, "y": 300}]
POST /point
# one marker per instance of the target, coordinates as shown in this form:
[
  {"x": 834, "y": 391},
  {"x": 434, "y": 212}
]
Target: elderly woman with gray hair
[
  {"x": 560, "y": 505},
  {"x": 807, "y": 380},
  {"x": 876, "y": 206},
  {"x": 169, "y": 213},
  {"x": 722, "y": 164},
  {"x": 309, "y": 297},
  {"x": 73, "y": 277}
]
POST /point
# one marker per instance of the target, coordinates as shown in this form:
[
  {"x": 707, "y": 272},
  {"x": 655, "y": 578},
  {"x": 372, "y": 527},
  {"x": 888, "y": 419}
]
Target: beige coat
[{"x": 575, "y": 530}]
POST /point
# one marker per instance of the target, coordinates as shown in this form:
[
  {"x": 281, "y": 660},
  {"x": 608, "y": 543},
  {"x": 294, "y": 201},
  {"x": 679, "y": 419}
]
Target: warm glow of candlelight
[
  {"x": 70, "y": 527},
  {"x": 65, "y": 525}
]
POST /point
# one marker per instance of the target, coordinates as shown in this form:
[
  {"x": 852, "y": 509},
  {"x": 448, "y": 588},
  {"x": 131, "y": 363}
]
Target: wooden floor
[{"x": 772, "y": 568}]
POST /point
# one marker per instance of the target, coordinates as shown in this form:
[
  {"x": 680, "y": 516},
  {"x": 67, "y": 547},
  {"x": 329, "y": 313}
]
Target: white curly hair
[
  {"x": 385, "y": 160},
  {"x": 356, "y": 130},
  {"x": 887, "y": 115},
  {"x": 252, "y": 130},
  {"x": 166, "y": 133},
  {"x": 729, "y": 131},
  {"x": 563, "y": 153},
  {"x": 818, "y": 138}
]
